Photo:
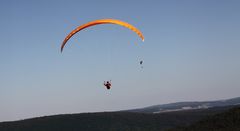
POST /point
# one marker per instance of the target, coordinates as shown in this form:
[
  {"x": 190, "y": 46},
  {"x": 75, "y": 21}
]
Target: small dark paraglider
[
  {"x": 107, "y": 84},
  {"x": 141, "y": 63}
]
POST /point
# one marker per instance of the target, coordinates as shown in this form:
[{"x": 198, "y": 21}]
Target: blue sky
[{"x": 191, "y": 52}]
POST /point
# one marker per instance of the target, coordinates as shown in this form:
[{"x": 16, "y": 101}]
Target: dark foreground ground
[
  {"x": 226, "y": 121},
  {"x": 214, "y": 118}
]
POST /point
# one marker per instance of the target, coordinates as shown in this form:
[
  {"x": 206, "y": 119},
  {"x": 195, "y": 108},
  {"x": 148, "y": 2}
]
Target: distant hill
[
  {"x": 153, "y": 118},
  {"x": 226, "y": 121},
  {"x": 112, "y": 121},
  {"x": 180, "y": 106}
]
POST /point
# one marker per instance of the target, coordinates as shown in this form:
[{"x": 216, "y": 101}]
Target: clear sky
[{"x": 191, "y": 53}]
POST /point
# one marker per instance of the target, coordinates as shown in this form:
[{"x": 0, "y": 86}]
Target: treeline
[
  {"x": 227, "y": 121},
  {"x": 110, "y": 121}
]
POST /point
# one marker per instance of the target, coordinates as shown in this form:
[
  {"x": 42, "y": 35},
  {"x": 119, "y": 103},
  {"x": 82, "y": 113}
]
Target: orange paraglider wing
[{"x": 102, "y": 21}]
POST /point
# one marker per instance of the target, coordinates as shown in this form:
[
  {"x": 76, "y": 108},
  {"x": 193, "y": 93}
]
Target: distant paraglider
[{"x": 141, "y": 63}]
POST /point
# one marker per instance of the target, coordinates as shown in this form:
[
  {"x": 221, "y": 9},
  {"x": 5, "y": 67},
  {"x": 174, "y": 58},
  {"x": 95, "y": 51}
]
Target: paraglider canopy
[{"x": 102, "y": 21}]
